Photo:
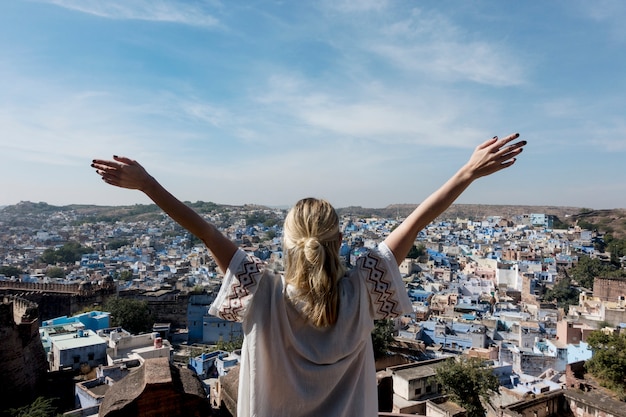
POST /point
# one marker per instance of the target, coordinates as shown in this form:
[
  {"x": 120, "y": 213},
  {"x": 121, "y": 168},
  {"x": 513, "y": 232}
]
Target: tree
[
  {"x": 41, "y": 407},
  {"x": 587, "y": 269},
  {"x": 117, "y": 243},
  {"x": 563, "y": 292},
  {"x": 49, "y": 256},
  {"x": 229, "y": 346},
  {"x": 130, "y": 314},
  {"x": 608, "y": 362},
  {"x": 10, "y": 271},
  {"x": 126, "y": 275},
  {"x": 617, "y": 248},
  {"x": 55, "y": 272},
  {"x": 68, "y": 253},
  {"x": 270, "y": 234},
  {"x": 416, "y": 251},
  {"x": 469, "y": 382},
  {"x": 382, "y": 336}
]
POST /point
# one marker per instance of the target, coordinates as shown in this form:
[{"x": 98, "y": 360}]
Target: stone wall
[
  {"x": 565, "y": 403},
  {"x": 608, "y": 289},
  {"x": 56, "y": 300},
  {"x": 553, "y": 404},
  {"x": 23, "y": 362},
  {"x": 171, "y": 308}
]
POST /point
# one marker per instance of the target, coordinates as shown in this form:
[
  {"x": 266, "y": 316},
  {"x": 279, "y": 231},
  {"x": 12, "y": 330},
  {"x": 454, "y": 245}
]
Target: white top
[{"x": 290, "y": 368}]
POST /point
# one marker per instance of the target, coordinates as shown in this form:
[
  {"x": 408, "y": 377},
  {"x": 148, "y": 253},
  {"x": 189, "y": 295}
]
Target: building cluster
[{"x": 476, "y": 288}]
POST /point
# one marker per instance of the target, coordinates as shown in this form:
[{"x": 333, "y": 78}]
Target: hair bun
[{"x": 312, "y": 249}]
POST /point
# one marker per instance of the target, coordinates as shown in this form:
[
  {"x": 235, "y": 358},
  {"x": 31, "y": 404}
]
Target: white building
[{"x": 76, "y": 349}]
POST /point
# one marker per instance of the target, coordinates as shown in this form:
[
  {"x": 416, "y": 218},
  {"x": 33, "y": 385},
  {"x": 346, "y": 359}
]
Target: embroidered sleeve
[
  {"x": 240, "y": 283},
  {"x": 388, "y": 295}
]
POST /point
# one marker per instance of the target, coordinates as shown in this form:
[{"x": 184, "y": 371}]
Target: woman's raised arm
[
  {"x": 127, "y": 173},
  {"x": 489, "y": 157}
]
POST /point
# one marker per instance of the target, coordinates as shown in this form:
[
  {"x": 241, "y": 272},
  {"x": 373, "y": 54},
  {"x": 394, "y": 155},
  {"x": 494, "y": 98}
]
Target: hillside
[{"x": 612, "y": 221}]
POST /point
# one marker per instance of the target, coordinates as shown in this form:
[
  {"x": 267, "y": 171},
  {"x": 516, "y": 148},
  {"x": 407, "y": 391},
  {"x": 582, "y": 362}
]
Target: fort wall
[
  {"x": 22, "y": 355},
  {"x": 55, "y": 300},
  {"x": 609, "y": 289}
]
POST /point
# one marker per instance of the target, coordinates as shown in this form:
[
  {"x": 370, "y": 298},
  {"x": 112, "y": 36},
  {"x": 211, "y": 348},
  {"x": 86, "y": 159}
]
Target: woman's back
[{"x": 293, "y": 368}]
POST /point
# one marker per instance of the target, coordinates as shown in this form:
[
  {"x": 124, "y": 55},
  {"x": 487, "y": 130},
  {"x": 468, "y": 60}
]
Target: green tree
[
  {"x": 270, "y": 222},
  {"x": 382, "y": 336},
  {"x": 469, "y": 382},
  {"x": 126, "y": 275},
  {"x": 229, "y": 346},
  {"x": 130, "y": 314},
  {"x": 559, "y": 224},
  {"x": 41, "y": 407},
  {"x": 270, "y": 234},
  {"x": 117, "y": 243},
  {"x": 72, "y": 252},
  {"x": 256, "y": 218},
  {"x": 416, "y": 251},
  {"x": 68, "y": 253},
  {"x": 563, "y": 292},
  {"x": 617, "y": 248},
  {"x": 55, "y": 272},
  {"x": 49, "y": 256},
  {"x": 587, "y": 269},
  {"x": 10, "y": 271},
  {"x": 608, "y": 362}
]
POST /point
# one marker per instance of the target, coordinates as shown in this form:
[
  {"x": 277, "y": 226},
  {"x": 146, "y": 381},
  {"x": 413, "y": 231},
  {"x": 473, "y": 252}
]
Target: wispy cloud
[
  {"x": 611, "y": 13},
  {"x": 432, "y": 45},
  {"x": 192, "y": 13},
  {"x": 351, "y": 6},
  {"x": 368, "y": 110}
]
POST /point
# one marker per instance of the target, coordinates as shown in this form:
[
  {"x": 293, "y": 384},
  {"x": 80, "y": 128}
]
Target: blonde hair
[{"x": 311, "y": 241}]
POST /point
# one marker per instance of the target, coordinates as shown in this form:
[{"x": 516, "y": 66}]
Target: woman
[{"x": 307, "y": 347}]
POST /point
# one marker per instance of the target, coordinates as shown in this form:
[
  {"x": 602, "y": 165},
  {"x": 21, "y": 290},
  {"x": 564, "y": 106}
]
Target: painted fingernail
[{"x": 495, "y": 137}]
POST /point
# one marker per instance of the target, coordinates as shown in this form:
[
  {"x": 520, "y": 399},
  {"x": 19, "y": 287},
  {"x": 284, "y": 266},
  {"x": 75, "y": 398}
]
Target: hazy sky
[{"x": 365, "y": 102}]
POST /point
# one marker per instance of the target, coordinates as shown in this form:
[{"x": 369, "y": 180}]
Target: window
[
  {"x": 76, "y": 359},
  {"x": 429, "y": 388},
  {"x": 418, "y": 391},
  {"x": 90, "y": 356}
]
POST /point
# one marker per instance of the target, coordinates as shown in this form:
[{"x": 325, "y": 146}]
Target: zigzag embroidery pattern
[
  {"x": 380, "y": 287},
  {"x": 246, "y": 278}
]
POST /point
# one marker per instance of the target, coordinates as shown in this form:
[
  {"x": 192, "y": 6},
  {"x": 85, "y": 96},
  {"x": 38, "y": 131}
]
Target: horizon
[
  {"x": 286, "y": 207},
  {"x": 360, "y": 102}
]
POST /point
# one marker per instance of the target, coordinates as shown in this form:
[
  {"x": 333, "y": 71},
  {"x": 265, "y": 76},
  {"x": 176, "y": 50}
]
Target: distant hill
[
  {"x": 471, "y": 211},
  {"x": 612, "y": 221}
]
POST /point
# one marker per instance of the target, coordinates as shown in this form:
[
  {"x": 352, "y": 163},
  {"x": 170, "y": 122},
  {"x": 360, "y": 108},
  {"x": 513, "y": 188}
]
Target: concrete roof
[{"x": 73, "y": 341}]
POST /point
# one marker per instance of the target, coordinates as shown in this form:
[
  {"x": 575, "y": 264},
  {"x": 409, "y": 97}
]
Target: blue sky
[{"x": 365, "y": 103}]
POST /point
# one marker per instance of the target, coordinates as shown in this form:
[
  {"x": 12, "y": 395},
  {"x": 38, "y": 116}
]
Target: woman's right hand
[{"x": 123, "y": 172}]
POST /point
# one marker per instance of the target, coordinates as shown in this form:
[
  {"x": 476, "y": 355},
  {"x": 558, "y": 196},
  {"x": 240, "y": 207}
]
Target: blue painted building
[
  {"x": 420, "y": 296},
  {"x": 453, "y": 335},
  {"x": 204, "y": 365},
  {"x": 93, "y": 320},
  {"x": 202, "y": 327},
  {"x": 197, "y": 310}
]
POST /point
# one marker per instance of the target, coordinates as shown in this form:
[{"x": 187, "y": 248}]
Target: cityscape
[
  {"x": 511, "y": 303},
  {"x": 481, "y": 288}
]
